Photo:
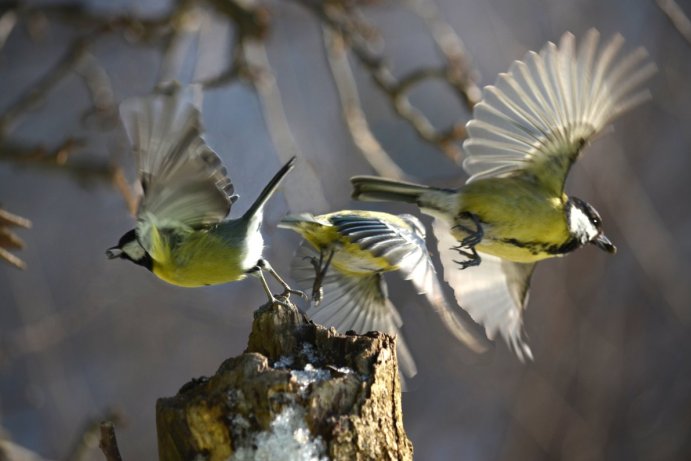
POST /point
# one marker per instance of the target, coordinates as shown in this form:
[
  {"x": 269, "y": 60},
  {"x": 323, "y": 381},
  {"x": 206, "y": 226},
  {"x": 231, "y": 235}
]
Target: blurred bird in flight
[
  {"x": 344, "y": 257},
  {"x": 181, "y": 234},
  {"x": 527, "y": 131}
]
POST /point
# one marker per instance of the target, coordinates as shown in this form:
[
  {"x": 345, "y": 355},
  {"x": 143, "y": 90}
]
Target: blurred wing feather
[
  {"x": 403, "y": 246},
  {"x": 536, "y": 118},
  {"x": 352, "y": 302},
  {"x": 494, "y": 293},
  {"x": 381, "y": 239},
  {"x": 417, "y": 266},
  {"x": 184, "y": 181}
]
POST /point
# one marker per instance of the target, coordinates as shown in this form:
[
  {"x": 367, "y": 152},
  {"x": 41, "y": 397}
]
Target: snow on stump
[{"x": 299, "y": 392}]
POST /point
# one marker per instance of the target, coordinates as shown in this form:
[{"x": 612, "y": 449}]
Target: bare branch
[
  {"x": 58, "y": 158},
  {"x": 305, "y": 191},
  {"x": 459, "y": 73},
  {"x": 186, "y": 22},
  {"x": 238, "y": 67},
  {"x": 109, "y": 444},
  {"x": 251, "y": 23},
  {"x": 344, "y": 19},
  {"x": 97, "y": 432},
  {"x": 50, "y": 80},
  {"x": 121, "y": 184},
  {"x": 251, "y": 20},
  {"x": 354, "y": 116}
]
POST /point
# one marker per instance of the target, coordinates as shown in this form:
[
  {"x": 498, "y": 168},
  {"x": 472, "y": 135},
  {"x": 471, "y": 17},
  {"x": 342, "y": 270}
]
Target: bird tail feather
[{"x": 269, "y": 189}]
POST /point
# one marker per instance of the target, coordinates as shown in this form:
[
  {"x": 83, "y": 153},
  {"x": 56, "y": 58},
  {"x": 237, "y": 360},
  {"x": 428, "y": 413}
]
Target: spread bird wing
[
  {"x": 402, "y": 243},
  {"x": 357, "y": 302},
  {"x": 184, "y": 182},
  {"x": 494, "y": 293},
  {"x": 537, "y": 117}
]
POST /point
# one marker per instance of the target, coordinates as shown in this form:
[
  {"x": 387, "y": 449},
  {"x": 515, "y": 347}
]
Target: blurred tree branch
[
  {"x": 250, "y": 22},
  {"x": 345, "y": 19},
  {"x": 109, "y": 443},
  {"x": 353, "y": 113},
  {"x": 96, "y": 432},
  {"x": 305, "y": 192},
  {"x": 37, "y": 93},
  {"x": 250, "y": 25}
]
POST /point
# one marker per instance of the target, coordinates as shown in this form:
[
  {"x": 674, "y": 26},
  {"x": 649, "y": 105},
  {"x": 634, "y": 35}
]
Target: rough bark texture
[{"x": 344, "y": 387}]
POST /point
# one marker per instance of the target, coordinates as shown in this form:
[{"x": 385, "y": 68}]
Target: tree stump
[{"x": 299, "y": 392}]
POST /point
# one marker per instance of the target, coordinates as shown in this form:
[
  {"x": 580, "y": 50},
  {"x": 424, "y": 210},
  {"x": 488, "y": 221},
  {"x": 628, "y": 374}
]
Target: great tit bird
[
  {"x": 181, "y": 233},
  {"x": 527, "y": 131},
  {"x": 346, "y": 255}
]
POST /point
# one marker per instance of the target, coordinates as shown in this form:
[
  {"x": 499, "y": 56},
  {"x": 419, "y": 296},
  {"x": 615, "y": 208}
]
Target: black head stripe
[
  {"x": 129, "y": 248},
  {"x": 129, "y": 236},
  {"x": 588, "y": 210}
]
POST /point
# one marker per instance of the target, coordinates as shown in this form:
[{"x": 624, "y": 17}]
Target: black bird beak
[
  {"x": 603, "y": 243},
  {"x": 113, "y": 252}
]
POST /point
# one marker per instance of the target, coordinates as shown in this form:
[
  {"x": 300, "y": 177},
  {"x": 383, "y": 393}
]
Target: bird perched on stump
[
  {"x": 527, "y": 131},
  {"x": 181, "y": 234},
  {"x": 344, "y": 257}
]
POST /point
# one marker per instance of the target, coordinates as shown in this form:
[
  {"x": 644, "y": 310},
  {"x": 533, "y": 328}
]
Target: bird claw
[
  {"x": 468, "y": 262},
  {"x": 317, "y": 294},
  {"x": 281, "y": 302},
  {"x": 289, "y": 291},
  {"x": 466, "y": 247},
  {"x": 471, "y": 240},
  {"x": 321, "y": 266},
  {"x": 473, "y": 258}
]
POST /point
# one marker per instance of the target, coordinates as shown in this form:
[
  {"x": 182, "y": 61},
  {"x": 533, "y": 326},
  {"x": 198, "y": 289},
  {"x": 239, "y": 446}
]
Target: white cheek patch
[
  {"x": 580, "y": 225},
  {"x": 134, "y": 250}
]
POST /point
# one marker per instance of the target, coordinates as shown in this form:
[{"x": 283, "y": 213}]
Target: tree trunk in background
[{"x": 299, "y": 392}]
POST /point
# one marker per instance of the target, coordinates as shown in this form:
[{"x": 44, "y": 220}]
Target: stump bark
[{"x": 299, "y": 392}]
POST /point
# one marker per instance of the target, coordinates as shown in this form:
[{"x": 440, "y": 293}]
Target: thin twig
[
  {"x": 98, "y": 432},
  {"x": 109, "y": 444},
  {"x": 305, "y": 192},
  {"x": 48, "y": 82},
  {"x": 121, "y": 184},
  {"x": 250, "y": 19},
  {"x": 251, "y": 24},
  {"x": 186, "y": 23},
  {"x": 354, "y": 116},
  {"x": 238, "y": 68},
  {"x": 80, "y": 16},
  {"x": 459, "y": 72},
  {"x": 59, "y": 158},
  {"x": 344, "y": 19}
]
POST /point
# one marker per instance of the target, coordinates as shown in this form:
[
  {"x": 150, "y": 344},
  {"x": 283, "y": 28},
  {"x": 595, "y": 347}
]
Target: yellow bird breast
[
  {"x": 520, "y": 223},
  {"x": 349, "y": 257},
  {"x": 201, "y": 258}
]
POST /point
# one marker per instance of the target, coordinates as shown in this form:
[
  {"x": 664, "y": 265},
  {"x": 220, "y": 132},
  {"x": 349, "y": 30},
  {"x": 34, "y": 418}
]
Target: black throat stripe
[{"x": 542, "y": 248}]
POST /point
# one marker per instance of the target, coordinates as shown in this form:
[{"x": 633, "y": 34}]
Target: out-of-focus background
[{"x": 82, "y": 337}]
